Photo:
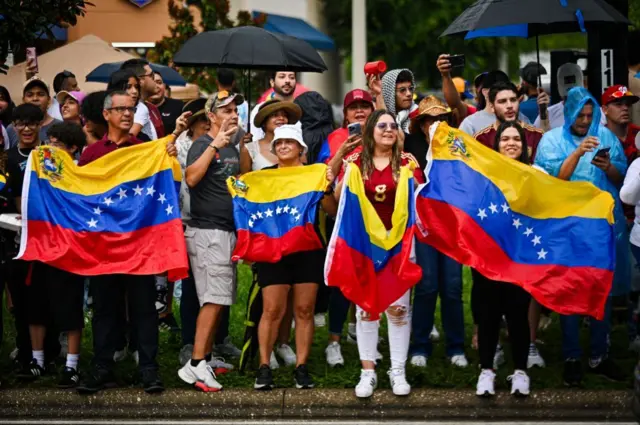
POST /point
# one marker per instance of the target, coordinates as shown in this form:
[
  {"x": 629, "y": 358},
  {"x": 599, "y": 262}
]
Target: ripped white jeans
[{"x": 399, "y": 326}]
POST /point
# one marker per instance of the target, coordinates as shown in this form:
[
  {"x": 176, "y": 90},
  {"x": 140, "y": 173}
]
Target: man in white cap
[{"x": 210, "y": 234}]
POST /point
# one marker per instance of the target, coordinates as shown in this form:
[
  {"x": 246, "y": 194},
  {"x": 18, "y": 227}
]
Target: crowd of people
[{"x": 580, "y": 138}]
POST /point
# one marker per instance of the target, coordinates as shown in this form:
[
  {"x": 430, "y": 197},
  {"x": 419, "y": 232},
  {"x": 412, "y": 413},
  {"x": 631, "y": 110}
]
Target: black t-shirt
[
  {"x": 170, "y": 110},
  {"x": 416, "y": 144},
  {"x": 17, "y": 161},
  {"x": 211, "y": 203}
]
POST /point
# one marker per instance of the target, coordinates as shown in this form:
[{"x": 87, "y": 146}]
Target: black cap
[
  {"x": 531, "y": 72},
  {"x": 493, "y": 77}
]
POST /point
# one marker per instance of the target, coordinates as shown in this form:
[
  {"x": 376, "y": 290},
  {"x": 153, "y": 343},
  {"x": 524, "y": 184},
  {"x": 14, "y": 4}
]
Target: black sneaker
[
  {"x": 99, "y": 379},
  {"x": 572, "y": 373},
  {"x": 69, "y": 378},
  {"x": 31, "y": 371},
  {"x": 264, "y": 379},
  {"x": 303, "y": 378},
  {"x": 151, "y": 382},
  {"x": 169, "y": 324},
  {"x": 608, "y": 369}
]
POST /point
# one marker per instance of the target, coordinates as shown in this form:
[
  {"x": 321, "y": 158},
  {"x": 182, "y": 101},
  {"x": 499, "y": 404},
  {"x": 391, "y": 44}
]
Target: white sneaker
[
  {"x": 368, "y": 383},
  {"x": 459, "y": 360},
  {"x": 273, "y": 362},
  {"x": 419, "y": 361},
  {"x": 485, "y": 386},
  {"x": 399, "y": 383},
  {"x": 434, "y": 335},
  {"x": 201, "y": 376},
  {"x": 498, "y": 358},
  {"x": 287, "y": 354},
  {"x": 635, "y": 345},
  {"x": 351, "y": 334},
  {"x": 519, "y": 383},
  {"x": 334, "y": 354},
  {"x": 319, "y": 320},
  {"x": 534, "y": 358},
  {"x": 219, "y": 366},
  {"x": 120, "y": 355}
]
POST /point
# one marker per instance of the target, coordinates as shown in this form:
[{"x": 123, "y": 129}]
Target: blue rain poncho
[{"x": 556, "y": 146}]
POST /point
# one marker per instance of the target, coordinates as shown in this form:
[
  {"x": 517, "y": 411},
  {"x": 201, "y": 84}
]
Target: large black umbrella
[
  {"x": 102, "y": 73},
  {"x": 530, "y": 18},
  {"x": 250, "y": 48}
]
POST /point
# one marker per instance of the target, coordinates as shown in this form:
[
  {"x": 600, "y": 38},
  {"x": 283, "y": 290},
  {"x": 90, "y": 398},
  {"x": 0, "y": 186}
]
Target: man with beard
[
  {"x": 503, "y": 98},
  {"x": 283, "y": 84}
]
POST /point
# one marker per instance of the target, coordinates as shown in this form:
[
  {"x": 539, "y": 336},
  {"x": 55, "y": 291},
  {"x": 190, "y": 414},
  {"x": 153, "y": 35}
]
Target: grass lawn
[{"x": 438, "y": 374}]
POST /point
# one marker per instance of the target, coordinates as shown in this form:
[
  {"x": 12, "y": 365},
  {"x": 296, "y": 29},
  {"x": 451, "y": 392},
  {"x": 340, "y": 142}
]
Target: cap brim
[
  {"x": 293, "y": 112},
  {"x": 62, "y": 95},
  {"x": 38, "y": 83}
]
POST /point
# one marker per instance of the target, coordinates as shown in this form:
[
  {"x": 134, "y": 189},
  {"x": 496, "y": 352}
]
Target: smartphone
[
  {"x": 31, "y": 55},
  {"x": 457, "y": 61},
  {"x": 355, "y": 129},
  {"x": 602, "y": 153}
]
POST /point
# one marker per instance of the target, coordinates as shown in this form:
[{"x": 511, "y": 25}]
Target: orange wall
[{"x": 123, "y": 21}]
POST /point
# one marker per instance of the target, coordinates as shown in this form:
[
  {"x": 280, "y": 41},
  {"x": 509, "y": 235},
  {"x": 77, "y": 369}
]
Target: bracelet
[{"x": 213, "y": 147}]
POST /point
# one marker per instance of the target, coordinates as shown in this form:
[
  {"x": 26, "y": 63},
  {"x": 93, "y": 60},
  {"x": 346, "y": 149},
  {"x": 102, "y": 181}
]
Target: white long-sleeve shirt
[{"x": 630, "y": 194}]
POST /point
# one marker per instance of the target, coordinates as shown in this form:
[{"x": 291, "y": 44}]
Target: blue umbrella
[{"x": 102, "y": 73}]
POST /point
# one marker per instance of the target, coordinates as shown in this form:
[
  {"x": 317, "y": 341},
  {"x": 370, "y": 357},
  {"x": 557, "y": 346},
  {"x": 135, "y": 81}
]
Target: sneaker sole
[
  {"x": 265, "y": 387},
  {"x": 155, "y": 389},
  {"x": 486, "y": 394},
  {"x": 518, "y": 394},
  {"x": 201, "y": 386},
  {"x": 305, "y": 387},
  {"x": 88, "y": 391}
]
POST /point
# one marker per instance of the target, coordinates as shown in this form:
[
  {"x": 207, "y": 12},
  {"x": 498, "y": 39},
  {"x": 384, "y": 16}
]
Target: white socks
[
  {"x": 39, "y": 357},
  {"x": 72, "y": 361}
]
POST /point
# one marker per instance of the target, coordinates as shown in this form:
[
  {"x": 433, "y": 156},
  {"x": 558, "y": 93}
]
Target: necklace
[{"x": 23, "y": 155}]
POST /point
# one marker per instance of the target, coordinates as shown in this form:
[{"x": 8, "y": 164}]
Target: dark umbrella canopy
[
  {"x": 102, "y": 73},
  {"x": 249, "y": 48},
  {"x": 542, "y": 16}
]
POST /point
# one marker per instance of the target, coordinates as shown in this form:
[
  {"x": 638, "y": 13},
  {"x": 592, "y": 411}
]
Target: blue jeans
[
  {"x": 599, "y": 335},
  {"x": 441, "y": 275}
]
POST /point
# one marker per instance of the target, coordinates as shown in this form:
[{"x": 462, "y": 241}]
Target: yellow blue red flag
[
  {"x": 117, "y": 215},
  {"x": 371, "y": 265},
  {"x": 516, "y": 224},
  {"x": 275, "y": 211}
]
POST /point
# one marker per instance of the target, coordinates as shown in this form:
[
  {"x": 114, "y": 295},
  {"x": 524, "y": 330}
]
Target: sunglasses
[
  {"x": 403, "y": 90},
  {"x": 382, "y": 126}
]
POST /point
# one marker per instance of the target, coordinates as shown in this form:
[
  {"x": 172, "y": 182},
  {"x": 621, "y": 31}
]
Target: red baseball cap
[
  {"x": 357, "y": 95},
  {"x": 618, "y": 92}
]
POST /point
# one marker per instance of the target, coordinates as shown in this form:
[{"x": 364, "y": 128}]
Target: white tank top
[{"x": 258, "y": 161}]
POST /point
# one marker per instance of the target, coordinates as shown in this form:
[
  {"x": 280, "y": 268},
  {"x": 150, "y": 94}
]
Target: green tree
[
  {"x": 215, "y": 16},
  {"x": 23, "y": 21}
]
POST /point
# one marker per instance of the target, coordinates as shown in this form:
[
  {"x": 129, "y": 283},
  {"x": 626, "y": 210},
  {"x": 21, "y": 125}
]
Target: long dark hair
[
  {"x": 120, "y": 79},
  {"x": 524, "y": 156},
  {"x": 369, "y": 144},
  {"x": 6, "y": 115}
]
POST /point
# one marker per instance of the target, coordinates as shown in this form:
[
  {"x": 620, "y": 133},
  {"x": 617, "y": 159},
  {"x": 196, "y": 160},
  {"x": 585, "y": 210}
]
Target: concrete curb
[{"x": 330, "y": 404}]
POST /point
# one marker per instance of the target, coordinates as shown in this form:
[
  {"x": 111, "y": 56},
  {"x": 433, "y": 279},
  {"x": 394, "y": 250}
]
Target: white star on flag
[
  {"x": 92, "y": 223},
  {"x": 268, "y": 212},
  {"x": 542, "y": 254},
  {"x": 169, "y": 209},
  {"x": 298, "y": 217},
  {"x": 97, "y": 210},
  {"x": 529, "y": 231},
  {"x": 108, "y": 201},
  {"x": 162, "y": 198},
  {"x": 536, "y": 240},
  {"x": 286, "y": 208},
  {"x": 482, "y": 213},
  {"x": 122, "y": 193},
  {"x": 494, "y": 208},
  {"x": 259, "y": 214},
  {"x": 293, "y": 211},
  {"x": 516, "y": 223},
  {"x": 253, "y": 217},
  {"x": 278, "y": 210},
  {"x": 151, "y": 191},
  {"x": 250, "y": 223},
  {"x": 137, "y": 190},
  {"x": 505, "y": 208}
]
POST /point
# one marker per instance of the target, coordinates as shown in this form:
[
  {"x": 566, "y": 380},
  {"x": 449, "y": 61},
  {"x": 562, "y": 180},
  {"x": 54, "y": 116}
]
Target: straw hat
[
  {"x": 430, "y": 106},
  {"x": 269, "y": 107}
]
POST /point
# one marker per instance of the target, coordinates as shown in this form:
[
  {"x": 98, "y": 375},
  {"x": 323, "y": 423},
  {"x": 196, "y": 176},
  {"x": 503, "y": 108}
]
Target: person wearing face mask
[
  {"x": 70, "y": 106},
  {"x": 380, "y": 161},
  {"x": 492, "y": 299},
  {"x": 584, "y": 150}
]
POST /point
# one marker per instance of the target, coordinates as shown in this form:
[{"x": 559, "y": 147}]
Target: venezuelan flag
[
  {"x": 117, "y": 215},
  {"x": 372, "y": 266},
  {"x": 275, "y": 211},
  {"x": 514, "y": 223}
]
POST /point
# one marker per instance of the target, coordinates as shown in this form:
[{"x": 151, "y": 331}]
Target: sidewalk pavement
[{"x": 329, "y": 404}]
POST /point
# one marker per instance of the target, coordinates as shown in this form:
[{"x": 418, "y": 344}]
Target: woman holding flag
[{"x": 380, "y": 162}]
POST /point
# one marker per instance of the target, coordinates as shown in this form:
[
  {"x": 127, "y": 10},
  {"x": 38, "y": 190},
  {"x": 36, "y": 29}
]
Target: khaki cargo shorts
[{"x": 214, "y": 273}]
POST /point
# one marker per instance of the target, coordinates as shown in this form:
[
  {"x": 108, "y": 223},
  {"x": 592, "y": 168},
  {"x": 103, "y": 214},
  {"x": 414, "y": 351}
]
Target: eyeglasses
[
  {"x": 403, "y": 90},
  {"x": 23, "y": 125},
  {"x": 382, "y": 126},
  {"x": 146, "y": 75},
  {"x": 123, "y": 109}
]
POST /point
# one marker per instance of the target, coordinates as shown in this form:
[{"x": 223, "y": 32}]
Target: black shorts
[
  {"x": 301, "y": 267},
  {"x": 55, "y": 297}
]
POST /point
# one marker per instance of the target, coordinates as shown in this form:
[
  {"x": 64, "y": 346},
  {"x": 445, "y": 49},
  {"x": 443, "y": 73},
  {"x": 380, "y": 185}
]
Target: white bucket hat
[{"x": 288, "y": 131}]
